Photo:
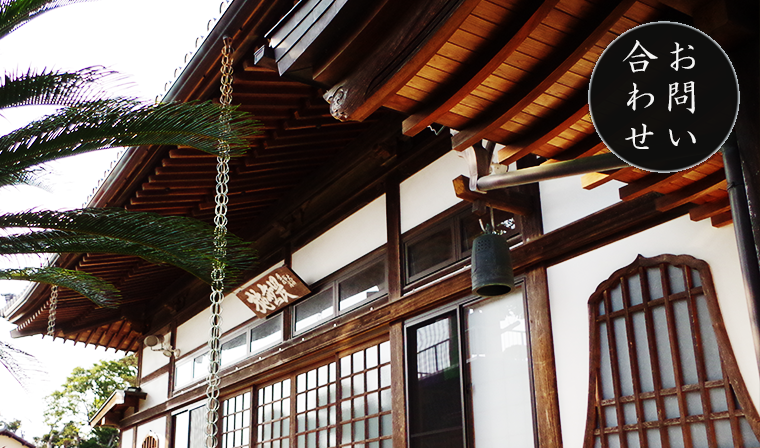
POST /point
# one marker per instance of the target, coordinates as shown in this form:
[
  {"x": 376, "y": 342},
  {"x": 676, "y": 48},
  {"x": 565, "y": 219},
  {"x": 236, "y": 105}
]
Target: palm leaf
[
  {"x": 96, "y": 289},
  {"x": 15, "y": 13},
  {"x": 52, "y": 87},
  {"x": 122, "y": 122},
  {"x": 8, "y": 359},
  {"x": 181, "y": 241}
]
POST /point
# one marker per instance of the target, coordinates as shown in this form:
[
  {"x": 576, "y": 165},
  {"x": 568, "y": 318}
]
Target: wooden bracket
[
  {"x": 478, "y": 160},
  {"x": 506, "y": 200}
]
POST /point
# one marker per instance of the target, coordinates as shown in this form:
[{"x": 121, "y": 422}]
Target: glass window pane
[
  {"x": 362, "y": 286},
  {"x": 267, "y": 334},
  {"x": 470, "y": 227},
  {"x": 182, "y": 430},
  {"x": 200, "y": 366},
  {"x": 233, "y": 350},
  {"x": 497, "y": 354},
  {"x": 434, "y": 251},
  {"x": 435, "y": 406},
  {"x": 184, "y": 374},
  {"x": 314, "y": 310}
]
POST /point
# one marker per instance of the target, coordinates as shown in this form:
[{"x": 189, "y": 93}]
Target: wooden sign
[{"x": 273, "y": 291}]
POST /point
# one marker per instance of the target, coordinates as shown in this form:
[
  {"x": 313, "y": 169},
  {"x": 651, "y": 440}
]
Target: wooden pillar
[
  {"x": 393, "y": 219},
  {"x": 541, "y": 338},
  {"x": 398, "y": 390}
]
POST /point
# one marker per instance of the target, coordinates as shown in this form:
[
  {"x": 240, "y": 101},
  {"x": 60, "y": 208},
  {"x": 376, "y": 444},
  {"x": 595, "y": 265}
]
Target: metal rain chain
[
  {"x": 51, "y": 313},
  {"x": 220, "y": 252}
]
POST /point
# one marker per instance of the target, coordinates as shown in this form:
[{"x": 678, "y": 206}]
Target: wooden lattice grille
[
  {"x": 662, "y": 370},
  {"x": 236, "y": 421},
  {"x": 344, "y": 402},
  {"x": 150, "y": 442}
]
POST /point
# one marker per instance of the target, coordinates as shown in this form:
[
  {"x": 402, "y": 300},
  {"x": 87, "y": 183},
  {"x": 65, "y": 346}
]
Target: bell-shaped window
[{"x": 662, "y": 371}]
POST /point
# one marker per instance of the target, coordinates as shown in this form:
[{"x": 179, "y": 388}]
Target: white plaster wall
[
  {"x": 153, "y": 360},
  {"x": 156, "y": 428},
  {"x": 430, "y": 191},
  {"x": 127, "y": 437},
  {"x": 571, "y": 284},
  {"x": 157, "y": 390},
  {"x": 357, "y": 235},
  {"x": 564, "y": 200},
  {"x": 194, "y": 333}
]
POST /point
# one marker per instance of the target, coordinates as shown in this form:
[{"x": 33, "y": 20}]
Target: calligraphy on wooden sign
[{"x": 273, "y": 291}]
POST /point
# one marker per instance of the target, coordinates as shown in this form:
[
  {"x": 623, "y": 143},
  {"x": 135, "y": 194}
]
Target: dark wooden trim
[
  {"x": 611, "y": 224},
  {"x": 398, "y": 384},
  {"x": 710, "y": 209},
  {"x": 507, "y": 200},
  {"x": 419, "y": 32},
  {"x": 647, "y": 184},
  {"x": 693, "y": 191},
  {"x": 139, "y": 365},
  {"x": 525, "y": 94},
  {"x": 172, "y": 361},
  {"x": 542, "y": 353},
  {"x": 393, "y": 223},
  {"x": 156, "y": 373}
]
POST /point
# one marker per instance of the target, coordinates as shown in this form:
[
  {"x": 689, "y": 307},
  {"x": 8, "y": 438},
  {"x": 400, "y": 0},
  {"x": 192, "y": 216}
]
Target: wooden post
[
  {"x": 393, "y": 218},
  {"x": 541, "y": 338},
  {"x": 398, "y": 390}
]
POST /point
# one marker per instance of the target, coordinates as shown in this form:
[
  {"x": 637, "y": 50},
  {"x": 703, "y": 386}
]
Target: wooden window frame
[
  {"x": 731, "y": 377},
  {"x": 457, "y": 308},
  {"x": 459, "y": 257},
  {"x": 293, "y": 393}
]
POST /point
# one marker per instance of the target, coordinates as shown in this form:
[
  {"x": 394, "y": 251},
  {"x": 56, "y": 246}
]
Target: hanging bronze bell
[{"x": 491, "y": 270}]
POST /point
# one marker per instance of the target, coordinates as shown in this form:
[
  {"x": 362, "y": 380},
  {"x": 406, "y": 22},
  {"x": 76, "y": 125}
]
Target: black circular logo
[{"x": 663, "y": 96}]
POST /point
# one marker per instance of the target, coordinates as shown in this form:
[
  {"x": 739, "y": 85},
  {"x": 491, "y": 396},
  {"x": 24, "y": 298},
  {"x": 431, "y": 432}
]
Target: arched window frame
[{"x": 698, "y": 281}]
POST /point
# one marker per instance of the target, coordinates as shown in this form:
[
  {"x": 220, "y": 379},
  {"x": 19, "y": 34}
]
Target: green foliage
[
  {"x": 89, "y": 119},
  {"x": 71, "y": 406},
  {"x": 10, "y": 425}
]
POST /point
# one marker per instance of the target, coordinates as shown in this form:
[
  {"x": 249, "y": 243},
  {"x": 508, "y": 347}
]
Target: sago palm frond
[
  {"x": 122, "y": 122},
  {"x": 50, "y": 87},
  {"x": 94, "y": 288},
  {"x": 183, "y": 242},
  {"x": 15, "y": 13},
  {"x": 9, "y": 359}
]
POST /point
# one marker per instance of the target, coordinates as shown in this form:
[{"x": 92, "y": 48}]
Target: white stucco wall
[
  {"x": 571, "y": 284},
  {"x": 127, "y": 438},
  {"x": 156, "y": 428},
  {"x": 355, "y": 236},
  {"x": 157, "y": 390},
  {"x": 430, "y": 191},
  {"x": 564, "y": 200},
  {"x": 154, "y": 360}
]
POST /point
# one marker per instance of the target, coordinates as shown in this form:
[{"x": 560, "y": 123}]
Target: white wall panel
[
  {"x": 126, "y": 438},
  {"x": 152, "y": 360},
  {"x": 430, "y": 191},
  {"x": 355, "y": 236},
  {"x": 571, "y": 283},
  {"x": 155, "y": 428},
  {"x": 564, "y": 201},
  {"x": 157, "y": 390}
]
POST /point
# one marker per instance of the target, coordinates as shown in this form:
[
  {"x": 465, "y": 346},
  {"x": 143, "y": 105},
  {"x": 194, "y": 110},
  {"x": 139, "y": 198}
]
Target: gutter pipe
[
  {"x": 593, "y": 164},
  {"x": 745, "y": 241}
]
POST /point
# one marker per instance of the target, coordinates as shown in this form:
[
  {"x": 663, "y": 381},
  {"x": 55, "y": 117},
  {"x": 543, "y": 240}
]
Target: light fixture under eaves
[{"x": 158, "y": 344}]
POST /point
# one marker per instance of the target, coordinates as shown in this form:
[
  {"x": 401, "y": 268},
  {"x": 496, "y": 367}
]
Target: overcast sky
[{"x": 143, "y": 39}]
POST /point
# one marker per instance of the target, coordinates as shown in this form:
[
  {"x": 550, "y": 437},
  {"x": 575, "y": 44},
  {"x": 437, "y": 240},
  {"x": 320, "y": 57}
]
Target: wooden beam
[
  {"x": 589, "y": 146},
  {"x": 506, "y": 200},
  {"x": 690, "y": 192},
  {"x": 647, "y": 184},
  {"x": 710, "y": 209},
  {"x": 721, "y": 219},
  {"x": 422, "y": 30},
  {"x": 552, "y": 126},
  {"x": 593, "y": 180},
  {"x": 477, "y": 70},
  {"x": 516, "y": 101}
]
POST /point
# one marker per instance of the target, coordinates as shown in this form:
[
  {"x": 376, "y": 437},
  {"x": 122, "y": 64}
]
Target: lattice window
[
  {"x": 273, "y": 411},
  {"x": 236, "y": 421},
  {"x": 345, "y": 402},
  {"x": 150, "y": 441},
  {"x": 657, "y": 376}
]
